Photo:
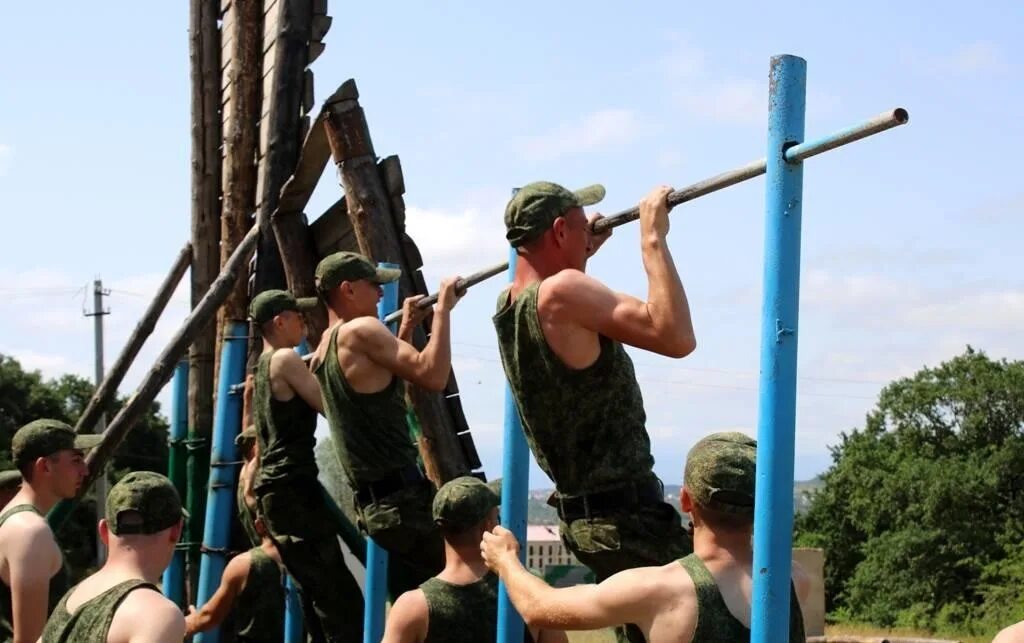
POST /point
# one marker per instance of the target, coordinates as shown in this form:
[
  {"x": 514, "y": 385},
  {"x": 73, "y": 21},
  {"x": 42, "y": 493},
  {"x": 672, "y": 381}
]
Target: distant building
[{"x": 544, "y": 547}]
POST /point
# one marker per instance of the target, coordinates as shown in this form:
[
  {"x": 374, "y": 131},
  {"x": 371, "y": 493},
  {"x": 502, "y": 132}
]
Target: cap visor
[
  {"x": 387, "y": 275},
  {"x": 86, "y": 441},
  {"x": 306, "y": 304},
  {"x": 590, "y": 195}
]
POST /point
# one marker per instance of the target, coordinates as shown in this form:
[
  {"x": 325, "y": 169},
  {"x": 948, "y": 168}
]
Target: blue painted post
[
  {"x": 174, "y": 575},
  {"x": 773, "y": 504},
  {"x": 377, "y": 556},
  {"x": 293, "y": 630},
  {"x": 515, "y": 484},
  {"x": 223, "y": 468}
]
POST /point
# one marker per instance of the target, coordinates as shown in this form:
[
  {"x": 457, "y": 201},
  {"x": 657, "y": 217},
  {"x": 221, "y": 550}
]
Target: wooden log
[
  {"x": 204, "y": 58},
  {"x": 369, "y": 209},
  {"x": 298, "y": 250},
  {"x": 162, "y": 370},
  {"x": 332, "y": 231},
  {"x": 240, "y": 140},
  {"x": 107, "y": 389}
]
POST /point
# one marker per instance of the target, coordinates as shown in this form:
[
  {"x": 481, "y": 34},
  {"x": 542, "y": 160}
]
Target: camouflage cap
[
  {"x": 720, "y": 472},
  {"x": 271, "y": 303},
  {"x": 44, "y": 437},
  {"x": 248, "y": 435},
  {"x": 143, "y": 502},
  {"x": 535, "y": 207},
  {"x": 10, "y": 478},
  {"x": 463, "y": 502},
  {"x": 351, "y": 266}
]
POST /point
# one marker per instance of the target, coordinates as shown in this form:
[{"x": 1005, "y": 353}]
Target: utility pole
[{"x": 98, "y": 313}]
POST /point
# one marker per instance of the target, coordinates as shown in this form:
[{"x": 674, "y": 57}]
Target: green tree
[
  {"x": 26, "y": 396},
  {"x": 924, "y": 504}
]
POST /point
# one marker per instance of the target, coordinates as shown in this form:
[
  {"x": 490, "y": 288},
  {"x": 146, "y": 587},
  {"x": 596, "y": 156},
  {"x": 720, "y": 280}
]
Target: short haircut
[{"x": 724, "y": 520}]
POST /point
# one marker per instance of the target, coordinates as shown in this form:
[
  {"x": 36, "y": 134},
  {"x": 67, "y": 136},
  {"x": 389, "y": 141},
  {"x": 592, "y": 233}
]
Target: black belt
[
  {"x": 614, "y": 500},
  {"x": 370, "y": 492}
]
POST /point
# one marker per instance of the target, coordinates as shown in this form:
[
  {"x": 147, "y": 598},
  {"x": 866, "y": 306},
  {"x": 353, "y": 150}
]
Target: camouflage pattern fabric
[
  {"x": 91, "y": 621},
  {"x": 143, "y": 502},
  {"x": 536, "y": 206},
  {"x": 246, "y": 517},
  {"x": 715, "y": 623},
  {"x": 403, "y": 524},
  {"x": 720, "y": 472},
  {"x": 368, "y": 430},
  {"x": 463, "y": 502},
  {"x": 461, "y": 613},
  {"x": 298, "y": 522},
  {"x": 259, "y": 607},
  {"x": 586, "y": 427},
  {"x": 350, "y": 266},
  {"x": 44, "y": 437},
  {"x": 58, "y": 585},
  {"x": 271, "y": 303},
  {"x": 285, "y": 431}
]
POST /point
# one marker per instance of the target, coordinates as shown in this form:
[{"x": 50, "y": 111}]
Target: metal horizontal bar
[{"x": 795, "y": 154}]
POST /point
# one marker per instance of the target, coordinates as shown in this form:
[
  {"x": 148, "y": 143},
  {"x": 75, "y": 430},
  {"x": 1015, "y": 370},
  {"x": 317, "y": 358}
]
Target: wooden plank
[
  {"x": 315, "y": 49},
  {"x": 308, "y": 97},
  {"x": 321, "y": 25},
  {"x": 320, "y": 7},
  {"x": 332, "y": 231}
]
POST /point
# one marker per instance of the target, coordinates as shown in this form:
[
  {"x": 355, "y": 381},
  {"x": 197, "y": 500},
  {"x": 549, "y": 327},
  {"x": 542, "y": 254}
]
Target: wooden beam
[
  {"x": 378, "y": 236},
  {"x": 242, "y": 116},
  {"x": 107, "y": 389},
  {"x": 162, "y": 370}
]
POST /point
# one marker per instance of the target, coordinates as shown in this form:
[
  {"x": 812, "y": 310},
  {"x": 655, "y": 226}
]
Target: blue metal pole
[
  {"x": 377, "y": 556},
  {"x": 223, "y": 468},
  {"x": 773, "y": 503},
  {"x": 174, "y": 575},
  {"x": 293, "y": 631},
  {"x": 515, "y": 484}
]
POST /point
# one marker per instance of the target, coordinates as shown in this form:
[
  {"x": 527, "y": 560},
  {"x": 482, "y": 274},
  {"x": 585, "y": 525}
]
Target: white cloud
[
  {"x": 736, "y": 101},
  {"x": 6, "y": 156},
  {"x": 606, "y": 127},
  {"x": 51, "y": 365},
  {"x": 980, "y": 56},
  {"x": 458, "y": 241}
]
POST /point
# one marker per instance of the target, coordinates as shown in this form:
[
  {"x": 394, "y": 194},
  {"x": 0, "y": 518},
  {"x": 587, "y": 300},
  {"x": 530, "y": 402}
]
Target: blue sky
[{"x": 911, "y": 240}]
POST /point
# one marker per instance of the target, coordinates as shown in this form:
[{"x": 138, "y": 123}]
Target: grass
[
  {"x": 868, "y": 630},
  {"x": 606, "y": 636}
]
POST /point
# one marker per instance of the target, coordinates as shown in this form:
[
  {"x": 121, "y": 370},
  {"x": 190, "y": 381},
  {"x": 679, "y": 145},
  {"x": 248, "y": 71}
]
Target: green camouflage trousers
[
  {"x": 403, "y": 524},
  {"x": 299, "y": 524},
  {"x": 648, "y": 536}
]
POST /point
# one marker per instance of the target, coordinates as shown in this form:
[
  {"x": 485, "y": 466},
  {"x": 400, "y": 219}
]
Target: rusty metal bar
[{"x": 797, "y": 153}]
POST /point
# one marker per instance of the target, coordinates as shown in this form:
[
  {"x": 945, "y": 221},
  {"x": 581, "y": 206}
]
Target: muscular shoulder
[
  {"x": 237, "y": 569},
  {"x": 1012, "y": 634},
  {"x": 409, "y": 616},
  {"x": 28, "y": 534},
  {"x": 567, "y": 291},
  {"x": 145, "y": 615}
]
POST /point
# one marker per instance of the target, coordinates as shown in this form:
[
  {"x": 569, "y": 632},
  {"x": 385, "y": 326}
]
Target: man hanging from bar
[
  {"x": 561, "y": 335},
  {"x": 286, "y": 400},
  {"x": 459, "y": 605},
  {"x": 359, "y": 364},
  {"x": 704, "y": 597}
]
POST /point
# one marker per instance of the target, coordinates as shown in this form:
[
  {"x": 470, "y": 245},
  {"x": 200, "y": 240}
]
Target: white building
[{"x": 544, "y": 547}]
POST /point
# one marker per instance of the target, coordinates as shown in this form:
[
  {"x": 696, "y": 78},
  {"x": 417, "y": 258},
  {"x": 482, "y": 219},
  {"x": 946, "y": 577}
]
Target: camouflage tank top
[
  {"x": 58, "y": 585},
  {"x": 369, "y": 430},
  {"x": 284, "y": 430},
  {"x": 91, "y": 621},
  {"x": 245, "y": 516},
  {"x": 462, "y": 613},
  {"x": 715, "y": 623},
  {"x": 259, "y": 607},
  {"x": 586, "y": 426}
]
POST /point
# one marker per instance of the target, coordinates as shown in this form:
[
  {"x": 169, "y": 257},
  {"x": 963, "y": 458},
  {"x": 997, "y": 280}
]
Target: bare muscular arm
[
  {"x": 33, "y": 558},
  {"x": 289, "y": 367}
]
